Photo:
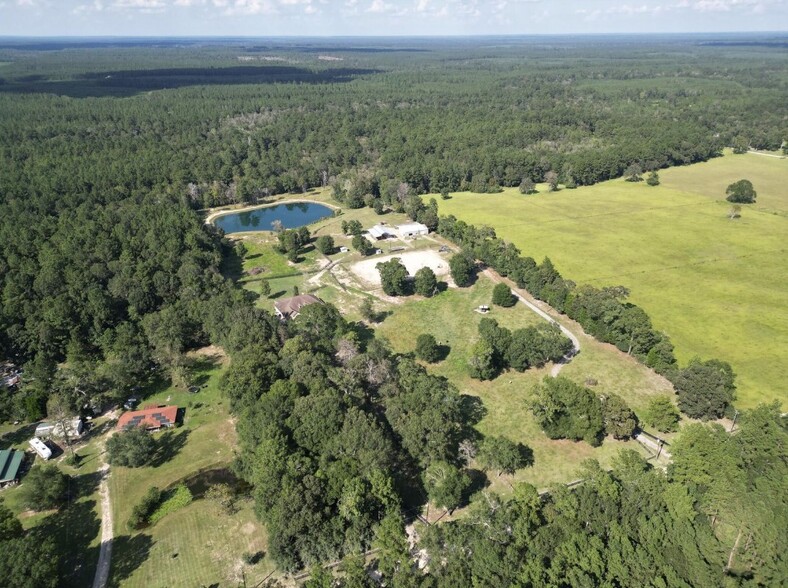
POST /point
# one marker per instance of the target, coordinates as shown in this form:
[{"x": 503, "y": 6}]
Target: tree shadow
[
  {"x": 443, "y": 352},
  {"x": 479, "y": 481},
  {"x": 168, "y": 446},
  {"x": 199, "y": 482},
  {"x": 382, "y": 316},
  {"x": 20, "y": 435},
  {"x": 85, "y": 485},
  {"x": 442, "y": 286},
  {"x": 128, "y": 554},
  {"x": 232, "y": 265},
  {"x": 473, "y": 409},
  {"x": 73, "y": 529},
  {"x": 364, "y": 333},
  {"x": 526, "y": 455},
  {"x": 278, "y": 294},
  {"x": 124, "y": 83}
]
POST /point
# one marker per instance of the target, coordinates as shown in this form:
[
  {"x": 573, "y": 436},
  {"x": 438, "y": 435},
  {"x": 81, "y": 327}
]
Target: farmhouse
[
  {"x": 412, "y": 230},
  {"x": 152, "y": 418},
  {"x": 288, "y": 308},
  {"x": 10, "y": 462},
  {"x": 74, "y": 428}
]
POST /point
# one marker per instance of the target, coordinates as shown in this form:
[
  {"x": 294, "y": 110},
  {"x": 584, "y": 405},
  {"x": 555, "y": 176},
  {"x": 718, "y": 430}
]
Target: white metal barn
[{"x": 412, "y": 230}]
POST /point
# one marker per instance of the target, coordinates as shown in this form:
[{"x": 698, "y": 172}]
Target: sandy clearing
[{"x": 412, "y": 260}]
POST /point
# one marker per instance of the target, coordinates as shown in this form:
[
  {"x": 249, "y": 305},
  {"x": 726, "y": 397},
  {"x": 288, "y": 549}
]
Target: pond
[{"x": 292, "y": 216}]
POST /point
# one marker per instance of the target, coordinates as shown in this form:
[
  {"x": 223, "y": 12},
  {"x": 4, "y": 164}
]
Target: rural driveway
[
  {"x": 105, "y": 552},
  {"x": 558, "y": 366}
]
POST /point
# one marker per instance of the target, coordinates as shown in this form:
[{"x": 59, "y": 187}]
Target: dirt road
[
  {"x": 558, "y": 366},
  {"x": 105, "y": 552}
]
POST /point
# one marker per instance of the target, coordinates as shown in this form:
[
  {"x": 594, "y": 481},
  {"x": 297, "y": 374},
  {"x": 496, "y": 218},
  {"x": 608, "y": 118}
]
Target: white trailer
[{"x": 40, "y": 448}]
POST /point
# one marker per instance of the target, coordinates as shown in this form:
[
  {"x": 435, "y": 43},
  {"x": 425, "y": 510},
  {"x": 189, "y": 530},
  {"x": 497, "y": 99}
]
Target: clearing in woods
[{"x": 716, "y": 286}]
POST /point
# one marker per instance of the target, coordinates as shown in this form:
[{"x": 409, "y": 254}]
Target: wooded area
[{"x": 108, "y": 275}]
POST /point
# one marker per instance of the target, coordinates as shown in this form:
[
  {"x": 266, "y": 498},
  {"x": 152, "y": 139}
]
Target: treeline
[{"x": 705, "y": 389}]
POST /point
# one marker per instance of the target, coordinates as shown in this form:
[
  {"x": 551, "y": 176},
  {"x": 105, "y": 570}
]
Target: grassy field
[
  {"x": 450, "y": 318},
  {"x": 196, "y": 545},
  {"x": 716, "y": 286}
]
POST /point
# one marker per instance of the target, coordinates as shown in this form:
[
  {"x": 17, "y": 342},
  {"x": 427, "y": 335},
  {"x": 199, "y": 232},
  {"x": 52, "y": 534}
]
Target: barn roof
[{"x": 10, "y": 461}]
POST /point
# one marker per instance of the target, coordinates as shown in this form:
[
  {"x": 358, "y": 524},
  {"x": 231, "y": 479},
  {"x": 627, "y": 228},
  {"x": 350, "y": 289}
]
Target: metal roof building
[
  {"x": 152, "y": 419},
  {"x": 10, "y": 462}
]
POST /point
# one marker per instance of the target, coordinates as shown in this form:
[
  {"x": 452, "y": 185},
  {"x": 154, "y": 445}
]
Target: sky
[{"x": 384, "y": 17}]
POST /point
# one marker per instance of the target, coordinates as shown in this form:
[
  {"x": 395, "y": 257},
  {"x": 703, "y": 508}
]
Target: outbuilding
[
  {"x": 75, "y": 427},
  {"x": 10, "y": 463},
  {"x": 412, "y": 230},
  {"x": 379, "y": 232}
]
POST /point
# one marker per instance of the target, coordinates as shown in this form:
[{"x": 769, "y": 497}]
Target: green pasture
[
  {"x": 450, "y": 317},
  {"x": 717, "y": 286},
  {"x": 196, "y": 545}
]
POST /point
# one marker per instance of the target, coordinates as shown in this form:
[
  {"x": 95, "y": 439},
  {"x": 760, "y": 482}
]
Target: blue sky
[{"x": 385, "y": 17}]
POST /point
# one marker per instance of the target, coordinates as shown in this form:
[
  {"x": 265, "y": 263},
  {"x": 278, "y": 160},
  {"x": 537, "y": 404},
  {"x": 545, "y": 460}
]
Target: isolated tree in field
[
  {"x": 425, "y": 283},
  {"x": 362, "y": 245},
  {"x": 427, "y": 348},
  {"x": 44, "y": 487},
  {"x": 501, "y": 454},
  {"x": 527, "y": 186},
  {"x": 502, "y": 296},
  {"x": 653, "y": 179},
  {"x": 445, "y": 194},
  {"x": 265, "y": 288},
  {"x": 619, "y": 419},
  {"x": 551, "y": 178},
  {"x": 367, "y": 310},
  {"x": 705, "y": 388},
  {"x": 734, "y": 212},
  {"x": 741, "y": 192},
  {"x": 445, "y": 484},
  {"x": 132, "y": 448},
  {"x": 662, "y": 414},
  {"x": 461, "y": 268},
  {"x": 393, "y": 277},
  {"x": 325, "y": 244},
  {"x": 634, "y": 173}
]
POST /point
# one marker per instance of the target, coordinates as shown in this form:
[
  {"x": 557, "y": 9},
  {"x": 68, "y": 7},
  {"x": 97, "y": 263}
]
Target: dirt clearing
[{"x": 413, "y": 260}]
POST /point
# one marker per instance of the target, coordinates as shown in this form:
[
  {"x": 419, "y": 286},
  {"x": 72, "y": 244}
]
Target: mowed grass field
[
  {"x": 196, "y": 545},
  {"x": 451, "y": 318},
  {"x": 717, "y": 287}
]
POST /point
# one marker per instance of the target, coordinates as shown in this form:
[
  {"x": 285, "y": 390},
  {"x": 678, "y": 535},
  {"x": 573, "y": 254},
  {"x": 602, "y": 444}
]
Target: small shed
[
  {"x": 412, "y": 230},
  {"x": 75, "y": 427},
  {"x": 10, "y": 462}
]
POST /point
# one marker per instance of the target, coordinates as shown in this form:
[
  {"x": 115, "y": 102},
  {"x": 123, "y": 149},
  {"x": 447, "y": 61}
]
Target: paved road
[
  {"x": 558, "y": 366},
  {"x": 653, "y": 445}
]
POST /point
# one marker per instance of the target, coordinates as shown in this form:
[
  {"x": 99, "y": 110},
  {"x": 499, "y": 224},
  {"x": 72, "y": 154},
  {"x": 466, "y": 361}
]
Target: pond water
[{"x": 292, "y": 216}]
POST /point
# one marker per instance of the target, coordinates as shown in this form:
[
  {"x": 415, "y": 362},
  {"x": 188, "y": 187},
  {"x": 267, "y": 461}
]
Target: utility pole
[
  {"x": 659, "y": 443},
  {"x": 735, "y": 416}
]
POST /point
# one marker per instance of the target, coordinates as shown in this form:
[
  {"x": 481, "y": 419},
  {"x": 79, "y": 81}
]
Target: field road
[
  {"x": 557, "y": 367},
  {"x": 105, "y": 552}
]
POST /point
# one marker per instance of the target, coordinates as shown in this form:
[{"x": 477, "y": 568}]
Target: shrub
[
  {"x": 143, "y": 510},
  {"x": 502, "y": 296},
  {"x": 181, "y": 496},
  {"x": 427, "y": 348}
]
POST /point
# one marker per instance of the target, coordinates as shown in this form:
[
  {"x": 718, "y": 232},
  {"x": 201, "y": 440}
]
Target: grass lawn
[
  {"x": 196, "y": 545},
  {"x": 450, "y": 317},
  {"x": 716, "y": 286}
]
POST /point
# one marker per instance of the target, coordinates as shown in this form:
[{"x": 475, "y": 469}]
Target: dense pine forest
[{"x": 108, "y": 275}]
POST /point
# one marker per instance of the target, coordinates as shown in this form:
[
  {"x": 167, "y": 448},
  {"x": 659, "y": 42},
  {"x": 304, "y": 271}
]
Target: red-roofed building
[{"x": 152, "y": 418}]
